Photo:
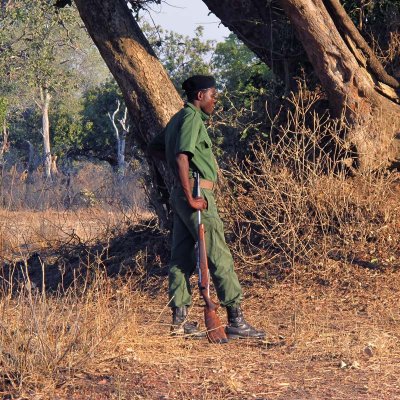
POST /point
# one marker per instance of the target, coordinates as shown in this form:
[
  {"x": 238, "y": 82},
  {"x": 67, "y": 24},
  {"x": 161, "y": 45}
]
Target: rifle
[{"x": 215, "y": 329}]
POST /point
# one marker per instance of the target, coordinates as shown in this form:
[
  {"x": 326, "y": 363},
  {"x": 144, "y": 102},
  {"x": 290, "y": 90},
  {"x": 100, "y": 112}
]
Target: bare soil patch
[
  {"x": 333, "y": 327},
  {"x": 333, "y": 340}
]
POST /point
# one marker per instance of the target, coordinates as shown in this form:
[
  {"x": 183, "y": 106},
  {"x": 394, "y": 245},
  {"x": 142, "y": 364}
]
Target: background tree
[
  {"x": 50, "y": 61},
  {"x": 96, "y": 137},
  {"x": 121, "y": 129},
  {"x": 246, "y": 84},
  {"x": 4, "y": 128},
  {"x": 263, "y": 27},
  {"x": 239, "y": 70},
  {"x": 356, "y": 84},
  {"x": 148, "y": 92}
]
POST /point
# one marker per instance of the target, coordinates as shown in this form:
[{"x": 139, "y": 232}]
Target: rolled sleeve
[{"x": 188, "y": 134}]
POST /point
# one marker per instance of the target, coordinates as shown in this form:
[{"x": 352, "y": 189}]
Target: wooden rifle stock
[{"x": 215, "y": 330}]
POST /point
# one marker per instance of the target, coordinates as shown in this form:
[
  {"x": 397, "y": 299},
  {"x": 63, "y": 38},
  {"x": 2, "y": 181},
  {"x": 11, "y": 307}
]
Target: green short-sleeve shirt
[{"x": 186, "y": 133}]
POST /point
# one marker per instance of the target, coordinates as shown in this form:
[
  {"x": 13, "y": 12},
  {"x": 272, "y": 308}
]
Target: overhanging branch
[{"x": 344, "y": 23}]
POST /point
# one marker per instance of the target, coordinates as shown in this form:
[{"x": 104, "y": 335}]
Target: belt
[{"x": 204, "y": 184}]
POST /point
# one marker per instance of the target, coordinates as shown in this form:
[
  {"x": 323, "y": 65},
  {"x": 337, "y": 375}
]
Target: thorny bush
[{"x": 292, "y": 197}]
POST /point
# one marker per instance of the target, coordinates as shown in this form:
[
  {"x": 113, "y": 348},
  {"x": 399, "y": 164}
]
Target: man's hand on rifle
[{"x": 198, "y": 203}]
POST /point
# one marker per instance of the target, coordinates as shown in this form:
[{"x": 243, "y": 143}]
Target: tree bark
[
  {"x": 148, "y": 92},
  {"x": 5, "y": 143},
  {"x": 355, "y": 82},
  {"x": 353, "y": 87}
]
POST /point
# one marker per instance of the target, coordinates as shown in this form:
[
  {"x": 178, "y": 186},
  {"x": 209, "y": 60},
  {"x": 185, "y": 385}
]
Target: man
[{"x": 187, "y": 150}]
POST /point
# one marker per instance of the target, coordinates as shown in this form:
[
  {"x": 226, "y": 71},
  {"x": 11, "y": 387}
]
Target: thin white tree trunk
[
  {"x": 5, "y": 144},
  {"x": 45, "y": 102},
  {"x": 120, "y": 138},
  {"x": 122, "y": 142},
  {"x": 31, "y": 167},
  {"x": 121, "y": 152}
]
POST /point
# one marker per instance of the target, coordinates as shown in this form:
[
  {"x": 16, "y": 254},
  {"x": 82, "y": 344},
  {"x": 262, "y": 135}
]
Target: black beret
[{"x": 198, "y": 82}]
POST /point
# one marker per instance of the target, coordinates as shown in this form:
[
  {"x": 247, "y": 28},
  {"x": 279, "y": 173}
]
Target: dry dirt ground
[
  {"x": 333, "y": 333},
  {"x": 327, "y": 339}
]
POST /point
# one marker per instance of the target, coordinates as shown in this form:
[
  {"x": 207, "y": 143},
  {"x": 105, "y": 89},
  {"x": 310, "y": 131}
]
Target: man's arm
[{"x": 182, "y": 161}]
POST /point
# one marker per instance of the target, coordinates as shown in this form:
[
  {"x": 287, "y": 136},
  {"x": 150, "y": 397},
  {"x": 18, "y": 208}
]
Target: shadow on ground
[{"x": 141, "y": 252}]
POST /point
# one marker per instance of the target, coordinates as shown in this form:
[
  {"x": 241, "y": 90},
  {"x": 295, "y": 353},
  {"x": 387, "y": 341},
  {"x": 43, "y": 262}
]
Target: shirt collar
[{"x": 203, "y": 115}]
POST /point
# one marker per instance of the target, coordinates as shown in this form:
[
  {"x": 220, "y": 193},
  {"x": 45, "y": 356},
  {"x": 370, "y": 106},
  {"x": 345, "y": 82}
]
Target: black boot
[
  {"x": 238, "y": 328},
  {"x": 181, "y": 327}
]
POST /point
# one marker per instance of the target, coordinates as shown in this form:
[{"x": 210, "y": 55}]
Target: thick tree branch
[{"x": 346, "y": 27}]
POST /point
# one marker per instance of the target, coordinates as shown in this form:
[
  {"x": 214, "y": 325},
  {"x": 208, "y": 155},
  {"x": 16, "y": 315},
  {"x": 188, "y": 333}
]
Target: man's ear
[{"x": 200, "y": 95}]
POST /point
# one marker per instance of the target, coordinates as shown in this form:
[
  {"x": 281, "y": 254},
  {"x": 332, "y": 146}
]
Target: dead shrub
[
  {"x": 292, "y": 196},
  {"x": 85, "y": 184},
  {"x": 48, "y": 340}
]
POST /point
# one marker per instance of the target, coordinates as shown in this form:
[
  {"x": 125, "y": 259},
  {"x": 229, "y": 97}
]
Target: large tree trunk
[
  {"x": 356, "y": 84},
  {"x": 263, "y": 27},
  {"x": 148, "y": 92}
]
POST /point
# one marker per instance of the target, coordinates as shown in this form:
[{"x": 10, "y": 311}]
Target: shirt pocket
[
  {"x": 204, "y": 141},
  {"x": 204, "y": 144}
]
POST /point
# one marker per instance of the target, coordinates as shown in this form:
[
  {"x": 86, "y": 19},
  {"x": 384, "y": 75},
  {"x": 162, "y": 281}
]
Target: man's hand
[{"x": 198, "y": 203}]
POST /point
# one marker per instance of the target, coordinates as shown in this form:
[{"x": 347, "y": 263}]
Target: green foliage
[
  {"x": 239, "y": 70},
  {"x": 38, "y": 42},
  {"x": 181, "y": 55},
  {"x": 68, "y": 133},
  {"x": 246, "y": 83},
  {"x": 24, "y": 126},
  {"x": 88, "y": 130},
  {"x": 42, "y": 47}
]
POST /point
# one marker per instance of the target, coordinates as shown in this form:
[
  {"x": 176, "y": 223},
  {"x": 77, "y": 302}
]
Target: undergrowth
[
  {"x": 293, "y": 203},
  {"x": 295, "y": 196}
]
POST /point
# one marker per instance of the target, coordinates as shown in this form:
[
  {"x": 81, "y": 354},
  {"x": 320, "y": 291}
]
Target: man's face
[{"x": 207, "y": 99}]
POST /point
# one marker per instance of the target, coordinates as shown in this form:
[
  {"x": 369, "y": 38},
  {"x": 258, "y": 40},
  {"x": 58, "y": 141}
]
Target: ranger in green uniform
[{"x": 187, "y": 149}]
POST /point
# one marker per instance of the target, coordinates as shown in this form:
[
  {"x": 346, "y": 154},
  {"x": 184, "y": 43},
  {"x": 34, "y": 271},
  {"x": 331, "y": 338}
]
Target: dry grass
[
  {"x": 82, "y": 184},
  {"x": 317, "y": 254},
  {"x": 294, "y": 197},
  {"x": 324, "y": 342},
  {"x": 333, "y": 333},
  {"x": 25, "y": 232},
  {"x": 47, "y": 341},
  {"x": 334, "y": 338},
  {"x": 90, "y": 206}
]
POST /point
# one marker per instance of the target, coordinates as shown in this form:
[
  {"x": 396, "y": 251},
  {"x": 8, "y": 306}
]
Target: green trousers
[{"x": 183, "y": 259}]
